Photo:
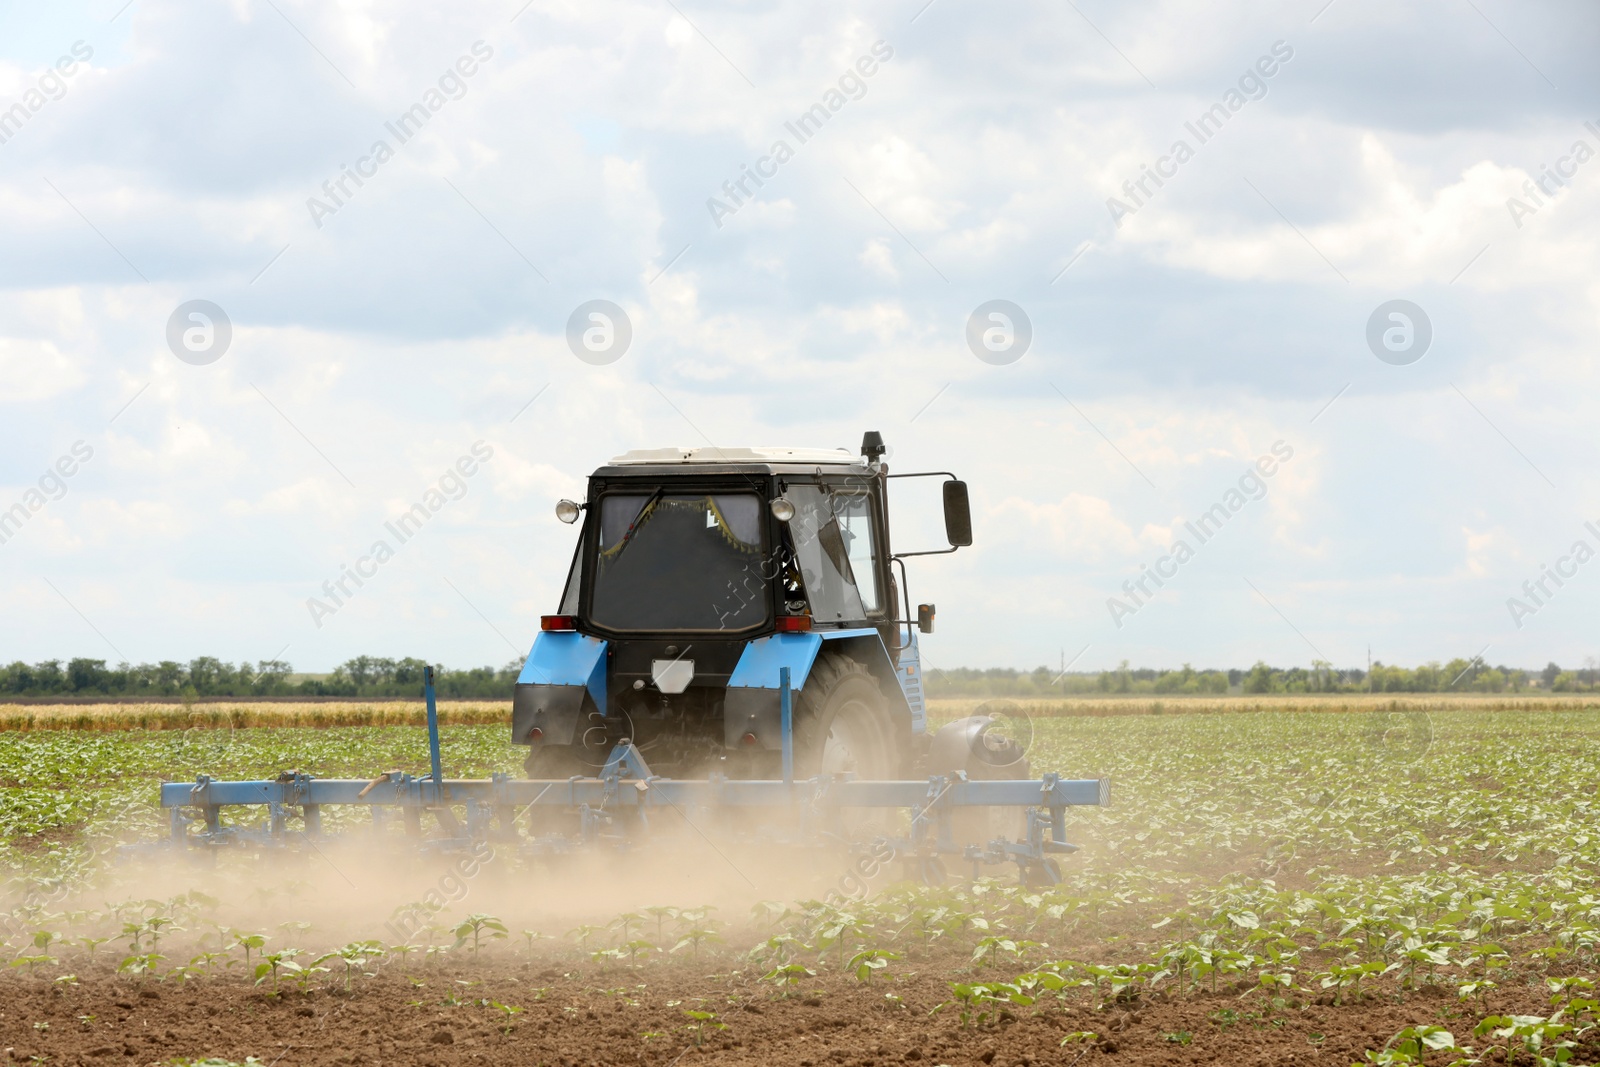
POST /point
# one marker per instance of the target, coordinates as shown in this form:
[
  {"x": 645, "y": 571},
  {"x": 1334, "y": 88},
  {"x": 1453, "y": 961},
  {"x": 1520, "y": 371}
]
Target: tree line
[
  {"x": 207, "y": 676},
  {"x": 372, "y": 676},
  {"x": 1456, "y": 676}
]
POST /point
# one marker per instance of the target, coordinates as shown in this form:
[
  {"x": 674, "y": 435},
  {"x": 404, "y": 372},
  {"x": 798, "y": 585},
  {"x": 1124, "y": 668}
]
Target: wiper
[{"x": 633, "y": 527}]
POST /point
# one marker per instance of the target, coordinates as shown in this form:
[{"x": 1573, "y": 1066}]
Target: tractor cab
[{"x": 698, "y": 575}]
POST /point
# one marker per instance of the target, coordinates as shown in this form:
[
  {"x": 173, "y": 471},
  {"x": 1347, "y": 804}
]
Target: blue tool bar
[
  {"x": 786, "y": 723},
  {"x": 411, "y": 792},
  {"x": 433, "y": 730}
]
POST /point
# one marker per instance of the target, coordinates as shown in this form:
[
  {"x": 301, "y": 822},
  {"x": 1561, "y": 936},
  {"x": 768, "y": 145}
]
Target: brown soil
[{"x": 434, "y": 1016}]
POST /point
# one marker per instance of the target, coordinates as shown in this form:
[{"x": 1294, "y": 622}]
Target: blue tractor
[
  {"x": 732, "y": 637},
  {"x": 699, "y": 575}
]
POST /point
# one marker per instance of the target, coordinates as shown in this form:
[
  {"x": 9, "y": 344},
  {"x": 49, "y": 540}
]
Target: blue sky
[{"x": 373, "y": 345}]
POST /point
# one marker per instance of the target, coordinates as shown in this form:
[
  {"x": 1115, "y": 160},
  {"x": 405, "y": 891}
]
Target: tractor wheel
[{"x": 842, "y": 723}]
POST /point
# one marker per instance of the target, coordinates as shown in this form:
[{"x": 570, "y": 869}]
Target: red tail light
[
  {"x": 794, "y": 624},
  {"x": 558, "y": 622}
]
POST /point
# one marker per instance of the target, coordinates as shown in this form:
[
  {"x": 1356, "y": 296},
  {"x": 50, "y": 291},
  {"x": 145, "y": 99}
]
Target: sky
[{"x": 272, "y": 272}]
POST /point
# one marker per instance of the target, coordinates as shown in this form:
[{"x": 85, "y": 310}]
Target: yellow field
[
  {"x": 23, "y": 717},
  {"x": 244, "y": 714},
  {"x": 1143, "y": 704}
]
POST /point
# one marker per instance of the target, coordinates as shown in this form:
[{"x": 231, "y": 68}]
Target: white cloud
[
  {"x": 34, "y": 369},
  {"x": 1205, "y": 328}
]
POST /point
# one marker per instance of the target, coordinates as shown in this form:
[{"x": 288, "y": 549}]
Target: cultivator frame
[{"x": 616, "y": 806}]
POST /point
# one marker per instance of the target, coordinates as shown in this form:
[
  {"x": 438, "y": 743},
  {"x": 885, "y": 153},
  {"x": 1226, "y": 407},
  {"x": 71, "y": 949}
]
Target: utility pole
[{"x": 1369, "y": 670}]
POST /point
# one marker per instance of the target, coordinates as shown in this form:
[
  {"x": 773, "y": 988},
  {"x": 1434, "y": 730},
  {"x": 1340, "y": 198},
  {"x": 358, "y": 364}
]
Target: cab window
[{"x": 833, "y": 542}]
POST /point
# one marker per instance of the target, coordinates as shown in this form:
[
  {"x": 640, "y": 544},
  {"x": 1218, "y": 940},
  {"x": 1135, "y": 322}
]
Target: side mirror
[
  {"x": 925, "y": 613},
  {"x": 957, "y": 514}
]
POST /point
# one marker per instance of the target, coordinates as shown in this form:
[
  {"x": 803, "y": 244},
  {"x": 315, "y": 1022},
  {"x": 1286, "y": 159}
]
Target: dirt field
[
  {"x": 589, "y": 1015},
  {"x": 1271, "y": 887}
]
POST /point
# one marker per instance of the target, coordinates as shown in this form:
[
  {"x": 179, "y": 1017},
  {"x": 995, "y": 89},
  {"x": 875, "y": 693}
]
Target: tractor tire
[{"x": 842, "y": 723}]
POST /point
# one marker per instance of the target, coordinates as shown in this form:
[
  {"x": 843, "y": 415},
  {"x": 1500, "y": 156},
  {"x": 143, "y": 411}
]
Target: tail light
[
  {"x": 558, "y": 623},
  {"x": 794, "y": 624}
]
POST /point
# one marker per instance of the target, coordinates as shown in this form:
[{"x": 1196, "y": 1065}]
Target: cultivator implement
[{"x": 620, "y": 807}]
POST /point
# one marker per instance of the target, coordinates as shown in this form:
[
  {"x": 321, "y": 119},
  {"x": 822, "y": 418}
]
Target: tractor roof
[{"x": 761, "y": 456}]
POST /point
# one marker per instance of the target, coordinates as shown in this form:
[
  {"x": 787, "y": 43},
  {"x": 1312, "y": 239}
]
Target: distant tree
[
  {"x": 1260, "y": 678},
  {"x": 87, "y": 676},
  {"x": 409, "y": 671}
]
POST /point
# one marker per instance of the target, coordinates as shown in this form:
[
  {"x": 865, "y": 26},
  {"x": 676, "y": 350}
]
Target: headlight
[
  {"x": 783, "y": 509},
  {"x": 567, "y": 511}
]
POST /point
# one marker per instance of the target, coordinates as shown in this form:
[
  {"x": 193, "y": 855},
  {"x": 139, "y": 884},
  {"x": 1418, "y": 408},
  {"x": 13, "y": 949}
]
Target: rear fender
[
  {"x": 752, "y": 702},
  {"x": 561, "y": 669}
]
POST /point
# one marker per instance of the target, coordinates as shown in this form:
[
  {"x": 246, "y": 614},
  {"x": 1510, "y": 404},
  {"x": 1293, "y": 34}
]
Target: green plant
[
  {"x": 204, "y": 962},
  {"x": 273, "y": 962},
  {"x": 32, "y": 961},
  {"x": 695, "y": 937},
  {"x": 140, "y": 965},
  {"x": 1543, "y": 1040},
  {"x": 778, "y": 949},
  {"x": 700, "y": 1022},
  {"x": 661, "y": 915},
  {"x": 626, "y": 923},
  {"x": 636, "y": 946},
  {"x": 1342, "y": 977},
  {"x": 1412, "y": 1045},
  {"x": 508, "y": 1010},
  {"x": 248, "y": 942},
  {"x": 978, "y": 1002},
  {"x": 868, "y": 961},
  {"x": 788, "y": 975},
  {"x": 582, "y": 934},
  {"x": 988, "y": 949},
  {"x": 475, "y": 926},
  {"x": 355, "y": 956},
  {"x": 304, "y": 976},
  {"x": 92, "y": 943}
]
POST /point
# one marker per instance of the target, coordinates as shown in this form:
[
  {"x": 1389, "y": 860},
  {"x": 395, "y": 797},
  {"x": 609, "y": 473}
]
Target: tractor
[
  {"x": 731, "y": 638},
  {"x": 699, "y": 574}
]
